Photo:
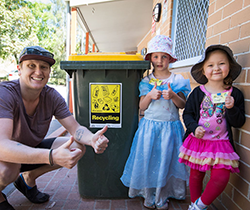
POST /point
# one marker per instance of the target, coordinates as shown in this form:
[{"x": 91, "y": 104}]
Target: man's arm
[
  {"x": 15, "y": 152},
  {"x": 83, "y": 136}
]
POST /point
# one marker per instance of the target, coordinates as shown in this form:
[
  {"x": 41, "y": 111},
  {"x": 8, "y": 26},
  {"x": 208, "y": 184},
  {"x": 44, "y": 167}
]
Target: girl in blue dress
[{"x": 152, "y": 170}]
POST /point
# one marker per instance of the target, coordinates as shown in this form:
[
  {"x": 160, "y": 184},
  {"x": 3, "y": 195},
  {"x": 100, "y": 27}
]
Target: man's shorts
[{"x": 46, "y": 144}]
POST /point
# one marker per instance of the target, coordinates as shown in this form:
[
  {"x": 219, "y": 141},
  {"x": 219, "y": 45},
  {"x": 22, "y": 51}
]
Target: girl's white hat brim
[{"x": 161, "y": 43}]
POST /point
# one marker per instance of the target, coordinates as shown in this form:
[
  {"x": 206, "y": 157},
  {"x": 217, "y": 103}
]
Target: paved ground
[{"x": 62, "y": 185}]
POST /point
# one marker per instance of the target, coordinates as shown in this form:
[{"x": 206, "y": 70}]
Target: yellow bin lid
[{"x": 120, "y": 56}]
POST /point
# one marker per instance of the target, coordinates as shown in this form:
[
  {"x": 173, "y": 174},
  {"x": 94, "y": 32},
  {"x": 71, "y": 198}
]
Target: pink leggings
[{"x": 217, "y": 183}]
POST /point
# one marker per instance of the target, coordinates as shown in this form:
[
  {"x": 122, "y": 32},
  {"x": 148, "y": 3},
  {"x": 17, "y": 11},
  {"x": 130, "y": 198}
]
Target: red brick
[
  {"x": 229, "y": 190},
  {"x": 230, "y": 35},
  {"x": 102, "y": 204},
  {"x": 240, "y": 17},
  {"x": 221, "y": 3},
  {"x": 247, "y": 107},
  {"x": 241, "y": 200},
  {"x": 210, "y": 31},
  {"x": 134, "y": 203},
  {"x": 233, "y": 7},
  {"x": 240, "y": 46},
  {"x": 236, "y": 135},
  {"x": 243, "y": 153},
  {"x": 228, "y": 203},
  {"x": 213, "y": 40},
  {"x": 244, "y": 60},
  {"x": 245, "y": 90},
  {"x": 211, "y": 8},
  {"x": 245, "y": 30},
  {"x": 221, "y": 26},
  {"x": 214, "y": 18},
  {"x": 219, "y": 205},
  {"x": 87, "y": 204},
  {"x": 246, "y": 3},
  {"x": 244, "y": 171},
  {"x": 118, "y": 204},
  {"x": 239, "y": 184},
  {"x": 62, "y": 192},
  {"x": 71, "y": 204},
  {"x": 245, "y": 138},
  {"x": 241, "y": 78}
]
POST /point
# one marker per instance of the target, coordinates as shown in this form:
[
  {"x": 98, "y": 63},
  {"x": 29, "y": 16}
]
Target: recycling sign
[{"x": 105, "y": 104}]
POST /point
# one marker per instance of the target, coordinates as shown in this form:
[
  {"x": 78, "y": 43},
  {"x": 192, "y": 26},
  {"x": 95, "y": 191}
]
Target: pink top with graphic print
[{"x": 212, "y": 117}]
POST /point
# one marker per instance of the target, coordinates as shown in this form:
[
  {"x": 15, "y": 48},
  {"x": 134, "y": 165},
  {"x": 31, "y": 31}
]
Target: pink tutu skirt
[{"x": 203, "y": 155}]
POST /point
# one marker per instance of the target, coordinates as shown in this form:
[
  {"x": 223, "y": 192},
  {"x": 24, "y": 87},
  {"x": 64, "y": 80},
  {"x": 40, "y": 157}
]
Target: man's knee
[{"x": 8, "y": 172}]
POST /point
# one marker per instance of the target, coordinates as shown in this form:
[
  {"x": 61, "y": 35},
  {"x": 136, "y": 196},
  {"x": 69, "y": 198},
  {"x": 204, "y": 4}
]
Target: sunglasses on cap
[{"x": 33, "y": 51}]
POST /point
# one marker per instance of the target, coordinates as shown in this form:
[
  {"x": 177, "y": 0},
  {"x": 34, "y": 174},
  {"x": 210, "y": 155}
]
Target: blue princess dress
[{"x": 152, "y": 170}]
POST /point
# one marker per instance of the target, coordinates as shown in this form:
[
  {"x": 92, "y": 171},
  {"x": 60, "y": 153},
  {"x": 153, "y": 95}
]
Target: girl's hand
[
  {"x": 229, "y": 101},
  {"x": 199, "y": 132},
  {"x": 169, "y": 93},
  {"x": 154, "y": 93}
]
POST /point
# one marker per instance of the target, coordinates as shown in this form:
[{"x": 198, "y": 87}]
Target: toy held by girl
[
  {"x": 152, "y": 170},
  {"x": 211, "y": 110}
]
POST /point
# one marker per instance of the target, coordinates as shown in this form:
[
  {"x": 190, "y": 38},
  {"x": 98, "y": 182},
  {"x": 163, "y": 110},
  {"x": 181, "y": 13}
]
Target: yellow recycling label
[{"x": 105, "y": 104}]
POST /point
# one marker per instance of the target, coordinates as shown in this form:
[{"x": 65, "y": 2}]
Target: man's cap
[{"x": 37, "y": 53}]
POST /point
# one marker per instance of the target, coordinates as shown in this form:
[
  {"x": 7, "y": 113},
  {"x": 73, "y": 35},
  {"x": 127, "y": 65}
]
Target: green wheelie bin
[{"x": 105, "y": 92}]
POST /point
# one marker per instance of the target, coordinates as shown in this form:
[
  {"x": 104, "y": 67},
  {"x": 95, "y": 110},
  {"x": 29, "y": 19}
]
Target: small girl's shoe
[
  {"x": 190, "y": 206},
  {"x": 164, "y": 207},
  {"x": 148, "y": 206},
  {"x": 194, "y": 206}
]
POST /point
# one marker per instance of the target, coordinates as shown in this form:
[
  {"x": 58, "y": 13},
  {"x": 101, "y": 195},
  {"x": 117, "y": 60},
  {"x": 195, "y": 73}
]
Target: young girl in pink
[{"x": 211, "y": 110}]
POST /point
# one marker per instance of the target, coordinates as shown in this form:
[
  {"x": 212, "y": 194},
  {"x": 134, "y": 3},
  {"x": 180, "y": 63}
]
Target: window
[{"x": 189, "y": 28}]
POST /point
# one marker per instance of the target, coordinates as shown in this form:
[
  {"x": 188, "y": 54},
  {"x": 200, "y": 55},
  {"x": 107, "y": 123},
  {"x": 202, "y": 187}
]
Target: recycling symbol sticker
[{"x": 105, "y": 104}]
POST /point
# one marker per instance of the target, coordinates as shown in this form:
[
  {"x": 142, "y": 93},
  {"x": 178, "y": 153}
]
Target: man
[{"x": 27, "y": 106}]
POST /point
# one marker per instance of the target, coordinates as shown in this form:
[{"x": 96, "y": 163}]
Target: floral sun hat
[{"x": 161, "y": 43}]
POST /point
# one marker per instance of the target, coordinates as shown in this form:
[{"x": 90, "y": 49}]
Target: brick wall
[{"x": 229, "y": 24}]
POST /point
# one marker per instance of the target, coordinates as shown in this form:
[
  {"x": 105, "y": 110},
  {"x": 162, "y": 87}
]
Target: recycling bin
[{"x": 105, "y": 92}]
